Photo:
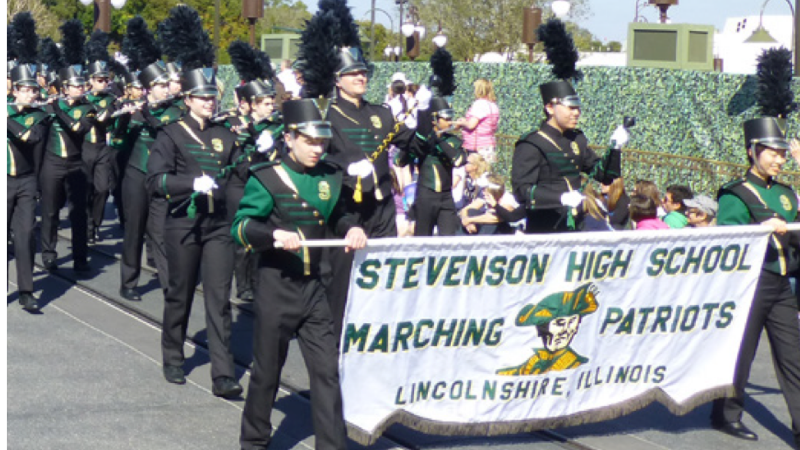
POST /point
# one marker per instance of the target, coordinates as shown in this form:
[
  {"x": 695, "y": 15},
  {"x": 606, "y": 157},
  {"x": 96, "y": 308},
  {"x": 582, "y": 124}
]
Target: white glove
[
  {"x": 571, "y": 199},
  {"x": 204, "y": 184},
  {"x": 619, "y": 138},
  {"x": 423, "y": 96},
  {"x": 265, "y": 142},
  {"x": 361, "y": 169}
]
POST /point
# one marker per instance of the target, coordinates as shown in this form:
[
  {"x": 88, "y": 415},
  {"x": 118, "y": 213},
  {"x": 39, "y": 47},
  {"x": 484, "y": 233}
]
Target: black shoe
[
  {"x": 81, "y": 266},
  {"x": 130, "y": 294},
  {"x": 247, "y": 296},
  {"x": 174, "y": 374},
  {"x": 226, "y": 387},
  {"x": 28, "y": 302},
  {"x": 736, "y": 429},
  {"x": 49, "y": 264}
]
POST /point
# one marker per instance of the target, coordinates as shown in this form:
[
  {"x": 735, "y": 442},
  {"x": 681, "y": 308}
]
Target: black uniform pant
[
  {"x": 774, "y": 308},
  {"x": 378, "y": 219},
  {"x": 144, "y": 215},
  {"x": 287, "y": 306},
  {"x": 119, "y": 163},
  {"x": 98, "y": 170},
  {"x": 245, "y": 268},
  {"x": 435, "y": 209},
  {"x": 190, "y": 250},
  {"x": 548, "y": 221},
  {"x": 61, "y": 180},
  {"x": 21, "y": 209}
]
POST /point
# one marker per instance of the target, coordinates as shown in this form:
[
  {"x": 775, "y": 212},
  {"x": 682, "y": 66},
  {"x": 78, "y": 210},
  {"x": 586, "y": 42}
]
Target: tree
[
  {"x": 46, "y": 22},
  {"x": 283, "y": 14},
  {"x": 474, "y": 28},
  {"x": 614, "y": 46}
]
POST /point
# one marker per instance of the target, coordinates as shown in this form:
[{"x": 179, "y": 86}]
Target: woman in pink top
[
  {"x": 644, "y": 213},
  {"x": 480, "y": 123}
]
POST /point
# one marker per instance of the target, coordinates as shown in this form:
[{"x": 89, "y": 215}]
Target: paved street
[{"x": 85, "y": 374}]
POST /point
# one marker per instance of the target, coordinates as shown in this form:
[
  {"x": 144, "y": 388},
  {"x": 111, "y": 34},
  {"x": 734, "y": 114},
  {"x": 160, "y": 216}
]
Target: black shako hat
[
  {"x": 560, "y": 91},
  {"x": 152, "y": 74},
  {"x": 174, "y": 71},
  {"x": 440, "y": 108},
  {"x": 255, "y": 89},
  {"x": 72, "y": 76},
  {"x": 766, "y": 131},
  {"x": 24, "y": 75},
  {"x": 131, "y": 79},
  {"x": 307, "y": 116},
  {"x": 351, "y": 59},
  {"x": 98, "y": 69},
  {"x": 200, "y": 82}
]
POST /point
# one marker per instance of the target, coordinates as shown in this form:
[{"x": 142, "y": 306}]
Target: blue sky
[{"x": 609, "y": 18}]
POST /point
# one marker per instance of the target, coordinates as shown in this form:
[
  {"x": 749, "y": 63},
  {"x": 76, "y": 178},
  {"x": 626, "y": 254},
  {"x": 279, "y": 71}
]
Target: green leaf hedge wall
[{"x": 678, "y": 112}]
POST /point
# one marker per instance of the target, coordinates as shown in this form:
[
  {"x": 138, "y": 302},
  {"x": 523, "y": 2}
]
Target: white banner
[{"x": 504, "y": 334}]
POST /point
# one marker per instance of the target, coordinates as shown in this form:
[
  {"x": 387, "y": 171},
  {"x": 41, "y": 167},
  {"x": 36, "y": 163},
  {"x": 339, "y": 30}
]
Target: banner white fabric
[{"x": 503, "y": 334}]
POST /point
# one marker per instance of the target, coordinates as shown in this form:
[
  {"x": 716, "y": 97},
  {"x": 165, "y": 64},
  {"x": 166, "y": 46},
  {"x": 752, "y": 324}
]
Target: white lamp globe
[
  {"x": 419, "y": 29},
  {"x": 118, "y": 4},
  {"x": 560, "y": 8},
  {"x": 86, "y": 2},
  {"x": 407, "y": 29},
  {"x": 440, "y": 40}
]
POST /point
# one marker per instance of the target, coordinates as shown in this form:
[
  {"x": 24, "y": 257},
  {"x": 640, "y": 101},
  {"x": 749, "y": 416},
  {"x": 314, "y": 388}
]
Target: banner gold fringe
[{"x": 412, "y": 421}]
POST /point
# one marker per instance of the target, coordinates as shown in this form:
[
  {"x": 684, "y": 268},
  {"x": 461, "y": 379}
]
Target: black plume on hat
[
  {"x": 11, "y": 36},
  {"x": 560, "y": 49},
  {"x": 26, "y": 41},
  {"x": 443, "y": 79},
  {"x": 139, "y": 45},
  {"x": 51, "y": 55},
  {"x": 348, "y": 28},
  {"x": 320, "y": 56},
  {"x": 72, "y": 39},
  {"x": 97, "y": 47},
  {"x": 184, "y": 40},
  {"x": 250, "y": 64},
  {"x": 774, "y": 94}
]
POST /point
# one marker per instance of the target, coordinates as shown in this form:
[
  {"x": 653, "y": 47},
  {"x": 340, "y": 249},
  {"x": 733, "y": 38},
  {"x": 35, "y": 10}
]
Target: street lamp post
[
  {"x": 531, "y": 20},
  {"x": 761, "y": 35},
  {"x": 102, "y": 12},
  {"x": 252, "y": 10}
]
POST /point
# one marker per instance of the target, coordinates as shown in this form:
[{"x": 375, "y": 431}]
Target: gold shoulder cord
[{"x": 357, "y": 196}]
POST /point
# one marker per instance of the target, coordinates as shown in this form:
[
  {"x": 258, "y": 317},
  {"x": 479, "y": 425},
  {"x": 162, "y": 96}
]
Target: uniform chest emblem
[
  {"x": 164, "y": 119},
  {"x": 787, "y": 205},
  {"x": 376, "y": 122},
  {"x": 324, "y": 190},
  {"x": 103, "y": 103},
  {"x": 29, "y": 121},
  {"x": 216, "y": 144},
  {"x": 575, "y": 149},
  {"x": 77, "y": 114}
]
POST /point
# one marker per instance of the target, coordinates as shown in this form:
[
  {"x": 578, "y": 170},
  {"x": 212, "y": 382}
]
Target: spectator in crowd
[
  {"x": 644, "y": 215},
  {"x": 649, "y": 189},
  {"x": 701, "y": 211},
  {"x": 289, "y": 77},
  {"x": 595, "y": 211},
  {"x": 674, "y": 205},
  {"x": 465, "y": 181},
  {"x": 616, "y": 203},
  {"x": 493, "y": 211},
  {"x": 479, "y": 125}
]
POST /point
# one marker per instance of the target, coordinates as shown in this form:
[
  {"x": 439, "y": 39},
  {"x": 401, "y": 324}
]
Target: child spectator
[
  {"x": 675, "y": 206},
  {"x": 616, "y": 203},
  {"x": 649, "y": 189},
  {"x": 644, "y": 215},
  {"x": 493, "y": 211}
]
